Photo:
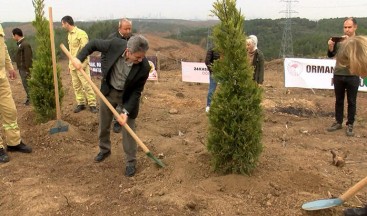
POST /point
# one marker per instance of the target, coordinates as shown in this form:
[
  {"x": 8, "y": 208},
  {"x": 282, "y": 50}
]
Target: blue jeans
[{"x": 212, "y": 87}]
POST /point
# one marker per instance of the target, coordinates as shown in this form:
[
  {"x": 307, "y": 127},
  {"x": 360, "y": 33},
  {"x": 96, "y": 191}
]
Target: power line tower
[
  {"x": 286, "y": 49},
  {"x": 209, "y": 42}
]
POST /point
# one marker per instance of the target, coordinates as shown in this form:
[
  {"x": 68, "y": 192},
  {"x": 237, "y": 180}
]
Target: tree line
[{"x": 309, "y": 37}]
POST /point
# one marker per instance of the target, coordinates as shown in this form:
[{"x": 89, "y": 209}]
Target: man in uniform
[
  {"x": 8, "y": 111},
  {"x": 84, "y": 93}
]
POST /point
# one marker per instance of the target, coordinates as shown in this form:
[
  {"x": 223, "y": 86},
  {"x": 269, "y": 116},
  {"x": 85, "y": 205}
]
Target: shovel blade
[
  {"x": 156, "y": 160},
  {"x": 321, "y": 204},
  {"x": 59, "y": 127}
]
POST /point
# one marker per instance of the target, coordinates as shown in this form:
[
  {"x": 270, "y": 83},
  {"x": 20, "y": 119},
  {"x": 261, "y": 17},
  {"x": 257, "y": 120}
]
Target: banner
[
  {"x": 153, "y": 61},
  {"x": 95, "y": 66},
  {"x": 311, "y": 73},
  {"x": 195, "y": 72}
]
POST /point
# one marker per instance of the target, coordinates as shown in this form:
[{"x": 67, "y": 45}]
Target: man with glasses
[{"x": 124, "y": 73}]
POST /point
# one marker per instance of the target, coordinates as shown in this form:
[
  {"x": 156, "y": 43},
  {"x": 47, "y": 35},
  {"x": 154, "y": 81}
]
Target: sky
[{"x": 92, "y": 10}]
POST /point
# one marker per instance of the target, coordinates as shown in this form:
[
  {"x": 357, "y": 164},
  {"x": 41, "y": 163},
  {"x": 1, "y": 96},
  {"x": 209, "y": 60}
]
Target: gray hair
[
  {"x": 138, "y": 43},
  {"x": 124, "y": 20},
  {"x": 253, "y": 39}
]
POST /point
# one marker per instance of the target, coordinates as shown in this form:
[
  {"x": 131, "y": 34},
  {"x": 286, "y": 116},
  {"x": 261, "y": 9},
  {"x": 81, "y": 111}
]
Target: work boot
[
  {"x": 79, "y": 108},
  {"x": 117, "y": 127},
  {"x": 130, "y": 171},
  {"x": 355, "y": 211},
  {"x": 93, "y": 109},
  {"x": 20, "y": 148},
  {"x": 101, "y": 156},
  {"x": 335, "y": 126},
  {"x": 349, "y": 131},
  {"x": 3, "y": 156}
]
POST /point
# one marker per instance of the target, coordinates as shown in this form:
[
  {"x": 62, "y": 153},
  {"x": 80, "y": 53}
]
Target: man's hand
[
  {"x": 331, "y": 44},
  {"x": 123, "y": 119},
  {"x": 76, "y": 63},
  {"x": 12, "y": 74}
]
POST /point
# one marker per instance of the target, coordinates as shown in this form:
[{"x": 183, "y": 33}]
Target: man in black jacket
[
  {"x": 123, "y": 32},
  {"x": 23, "y": 59},
  {"x": 124, "y": 73}
]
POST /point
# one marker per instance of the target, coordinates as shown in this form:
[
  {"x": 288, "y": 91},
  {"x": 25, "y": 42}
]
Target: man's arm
[
  {"x": 94, "y": 45},
  {"x": 8, "y": 64},
  {"x": 209, "y": 57},
  {"x": 331, "y": 52},
  {"x": 28, "y": 56}
]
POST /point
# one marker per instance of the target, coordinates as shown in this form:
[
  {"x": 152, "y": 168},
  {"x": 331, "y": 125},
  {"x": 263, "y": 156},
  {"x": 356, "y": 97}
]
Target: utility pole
[
  {"x": 286, "y": 49},
  {"x": 209, "y": 39}
]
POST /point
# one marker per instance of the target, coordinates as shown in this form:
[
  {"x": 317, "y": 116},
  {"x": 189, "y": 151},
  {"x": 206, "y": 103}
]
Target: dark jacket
[
  {"x": 258, "y": 63},
  {"x": 24, "y": 55},
  {"x": 211, "y": 56},
  {"x": 118, "y": 35},
  {"x": 134, "y": 84}
]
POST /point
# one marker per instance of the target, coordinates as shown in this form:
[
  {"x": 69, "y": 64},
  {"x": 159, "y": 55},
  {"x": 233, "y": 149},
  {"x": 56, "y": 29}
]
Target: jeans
[
  {"x": 212, "y": 87},
  {"x": 342, "y": 84}
]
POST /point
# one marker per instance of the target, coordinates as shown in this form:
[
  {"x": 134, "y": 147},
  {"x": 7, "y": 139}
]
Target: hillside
[
  {"x": 309, "y": 37},
  {"x": 60, "y": 177}
]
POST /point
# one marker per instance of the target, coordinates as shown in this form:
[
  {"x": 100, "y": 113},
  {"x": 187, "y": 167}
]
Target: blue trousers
[{"x": 212, "y": 87}]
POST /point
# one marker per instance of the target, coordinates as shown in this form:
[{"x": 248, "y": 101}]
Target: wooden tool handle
[
  {"x": 54, "y": 69},
  {"x": 115, "y": 113},
  {"x": 353, "y": 190}
]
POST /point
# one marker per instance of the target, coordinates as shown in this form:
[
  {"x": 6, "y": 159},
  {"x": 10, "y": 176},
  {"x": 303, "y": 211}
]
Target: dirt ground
[{"x": 60, "y": 177}]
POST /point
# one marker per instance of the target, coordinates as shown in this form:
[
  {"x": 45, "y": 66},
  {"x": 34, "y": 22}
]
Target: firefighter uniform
[
  {"x": 84, "y": 93},
  {"x": 8, "y": 111}
]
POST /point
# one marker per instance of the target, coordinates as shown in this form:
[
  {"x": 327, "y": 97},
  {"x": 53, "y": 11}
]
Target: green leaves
[
  {"x": 42, "y": 90},
  {"x": 235, "y": 116}
]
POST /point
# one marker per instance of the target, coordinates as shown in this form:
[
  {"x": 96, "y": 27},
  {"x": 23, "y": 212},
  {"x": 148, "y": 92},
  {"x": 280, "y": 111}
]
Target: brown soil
[{"x": 60, "y": 177}]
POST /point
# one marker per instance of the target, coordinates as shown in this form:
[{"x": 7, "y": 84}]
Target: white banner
[
  {"x": 311, "y": 73},
  {"x": 195, "y": 72}
]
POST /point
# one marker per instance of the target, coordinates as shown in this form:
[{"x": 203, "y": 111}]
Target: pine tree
[
  {"x": 42, "y": 91},
  {"x": 235, "y": 115}
]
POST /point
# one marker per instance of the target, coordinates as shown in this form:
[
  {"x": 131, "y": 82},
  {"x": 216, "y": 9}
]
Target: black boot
[
  {"x": 356, "y": 211},
  {"x": 3, "y": 156},
  {"x": 20, "y": 148}
]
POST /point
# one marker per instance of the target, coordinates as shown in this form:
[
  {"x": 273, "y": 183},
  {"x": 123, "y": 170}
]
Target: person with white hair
[{"x": 256, "y": 58}]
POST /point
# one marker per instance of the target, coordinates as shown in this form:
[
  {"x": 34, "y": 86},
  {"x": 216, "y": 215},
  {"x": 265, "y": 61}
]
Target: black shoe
[
  {"x": 117, "y": 127},
  {"x": 130, "y": 171},
  {"x": 20, "y": 148},
  {"x": 355, "y": 212},
  {"x": 93, "y": 109},
  {"x": 27, "y": 102},
  {"x": 3, "y": 156},
  {"x": 79, "y": 108},
  {"x": 101, "y": 156}
]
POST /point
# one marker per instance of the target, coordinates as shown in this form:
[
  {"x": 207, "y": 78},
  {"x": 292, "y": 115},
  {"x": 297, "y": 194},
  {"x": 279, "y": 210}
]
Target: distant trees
[
  {"x": 309, "y": 37},
  {"x": 42, "y": 91},
  {"x": 235, "y": 116}
]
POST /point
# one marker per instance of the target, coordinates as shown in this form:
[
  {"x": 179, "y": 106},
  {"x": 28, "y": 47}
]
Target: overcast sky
[{"x": 88, "y": 10}]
